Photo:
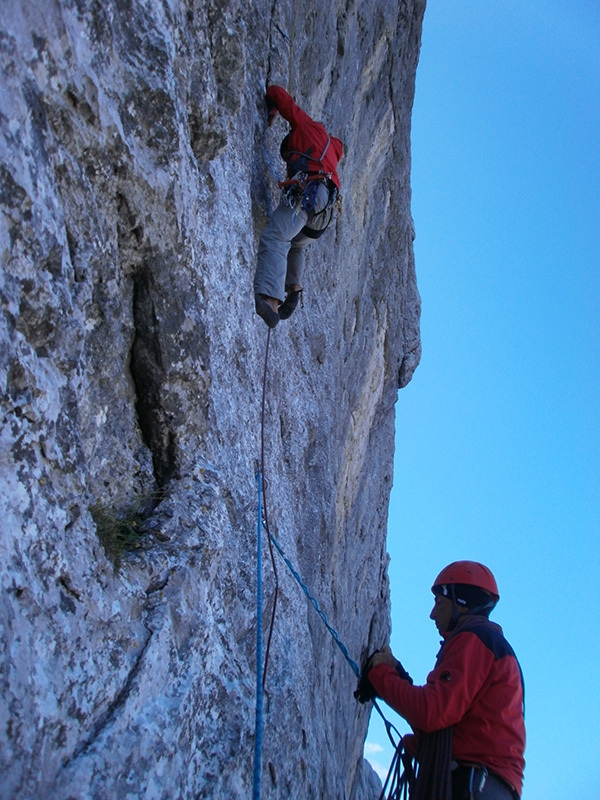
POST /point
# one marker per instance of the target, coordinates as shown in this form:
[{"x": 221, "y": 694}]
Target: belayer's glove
[
  {"x": 403, "y": 673},
  {"x": 364, "y": 691}
]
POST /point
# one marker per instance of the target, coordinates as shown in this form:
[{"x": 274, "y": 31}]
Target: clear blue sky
[{"x": 498, "y": 443}]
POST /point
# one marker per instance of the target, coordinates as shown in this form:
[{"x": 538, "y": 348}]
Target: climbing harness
[
  {"x": 401, "y": 774},
  {"x": 302, "y": 188},
  {"x": 477, "y": 785},
  {"x": 309, "y": 198},
  {"x": 301, "y": 193}
]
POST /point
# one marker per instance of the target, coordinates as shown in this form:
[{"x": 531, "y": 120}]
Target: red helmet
[{"x": 471, "y": 573}]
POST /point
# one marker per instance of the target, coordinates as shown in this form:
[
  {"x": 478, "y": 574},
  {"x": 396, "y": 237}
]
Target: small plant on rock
[{"x": 120, "y": 531}]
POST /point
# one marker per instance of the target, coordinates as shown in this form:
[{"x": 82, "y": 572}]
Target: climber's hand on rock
[
  {"x": 384, "y": 656},
  {"x": 272, "y": 111}
]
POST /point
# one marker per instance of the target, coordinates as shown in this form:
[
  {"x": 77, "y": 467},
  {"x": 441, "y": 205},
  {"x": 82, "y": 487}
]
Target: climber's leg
[{"x": 273, "y": 249}]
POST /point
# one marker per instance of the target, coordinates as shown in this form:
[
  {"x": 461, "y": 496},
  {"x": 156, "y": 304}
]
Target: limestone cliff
[{"x": 136, "y": 174}]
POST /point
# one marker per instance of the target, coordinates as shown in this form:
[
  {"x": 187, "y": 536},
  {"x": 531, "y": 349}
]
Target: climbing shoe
[
  {"x": 264, "y": 310},
  {"x": 287, "y": 308}
]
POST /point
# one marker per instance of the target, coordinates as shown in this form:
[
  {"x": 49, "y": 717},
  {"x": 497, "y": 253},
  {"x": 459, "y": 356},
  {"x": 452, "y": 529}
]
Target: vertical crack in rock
[
  {"x": 149, "y": 376},
  {"x": 273, "y": 46}
]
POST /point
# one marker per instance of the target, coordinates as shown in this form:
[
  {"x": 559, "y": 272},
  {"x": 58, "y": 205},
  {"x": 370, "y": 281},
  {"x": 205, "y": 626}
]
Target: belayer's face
[{"x": 441, "y": 613}]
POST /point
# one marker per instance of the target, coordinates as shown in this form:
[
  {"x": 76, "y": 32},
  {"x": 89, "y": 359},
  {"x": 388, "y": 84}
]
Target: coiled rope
[{"x": 263, "y": 522}]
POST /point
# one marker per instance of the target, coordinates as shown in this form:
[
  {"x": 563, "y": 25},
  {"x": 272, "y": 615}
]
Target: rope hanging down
[
  {"x": 399, "y": 781},
  {"x": 400, "y": 772},
  {"x": 258, "y": 718},
  {"x": 262, "y": 519},
  {"x": 344, "y": 650},
  {"x": 317, "y": 607},
  {"x": 264, "y": 511}
]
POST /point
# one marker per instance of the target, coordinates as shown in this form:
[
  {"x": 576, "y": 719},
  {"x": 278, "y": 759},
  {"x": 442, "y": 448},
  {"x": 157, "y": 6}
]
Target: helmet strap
[
  {"x": 483, "y": 608},
  {"x": 454, "y": 617}
]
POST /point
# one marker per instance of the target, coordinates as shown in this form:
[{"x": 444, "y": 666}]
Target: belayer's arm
[{"x": 450, "y": 688}]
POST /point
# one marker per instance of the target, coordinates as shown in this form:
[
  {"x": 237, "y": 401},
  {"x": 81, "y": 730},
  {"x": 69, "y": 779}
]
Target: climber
[
  {"x": 468, "y": 718},
  {"x": 305, "y": 209}
]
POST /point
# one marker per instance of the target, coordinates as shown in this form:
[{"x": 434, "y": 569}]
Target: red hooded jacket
[
  {"x": 477, "y": 688},
  {"x": 314, "y": 150}
]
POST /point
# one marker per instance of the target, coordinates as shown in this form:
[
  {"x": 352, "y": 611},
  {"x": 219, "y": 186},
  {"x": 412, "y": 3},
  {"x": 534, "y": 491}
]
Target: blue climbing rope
[
  {"x": 258, "y": 723},
  {"x": 265, "y": 515},
  {"x": 389, "y": 727},
  {"x": 317, "y": 607},
  {"x": 261, "y": 670}
]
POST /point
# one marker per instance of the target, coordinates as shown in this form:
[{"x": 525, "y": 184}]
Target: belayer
[
  {"x": 469, "y": 729},
  {"x": 308, "y": 197}
]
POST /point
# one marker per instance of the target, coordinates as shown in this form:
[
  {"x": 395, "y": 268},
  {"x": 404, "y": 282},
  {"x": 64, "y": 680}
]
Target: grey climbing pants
[{"x": 281, "y": 248}]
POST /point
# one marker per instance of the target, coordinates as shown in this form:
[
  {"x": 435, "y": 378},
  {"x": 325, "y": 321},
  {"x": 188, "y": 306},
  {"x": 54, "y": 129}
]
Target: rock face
[{"x": 136, "y": 175}]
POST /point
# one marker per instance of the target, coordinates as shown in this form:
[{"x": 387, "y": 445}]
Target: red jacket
[
  {"x": 308, "y": 138},
  {"x": 476, "y": 687}
]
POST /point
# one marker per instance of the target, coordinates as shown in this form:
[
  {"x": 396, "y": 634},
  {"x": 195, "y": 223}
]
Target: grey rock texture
[{"x": 136, "y": 174}]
